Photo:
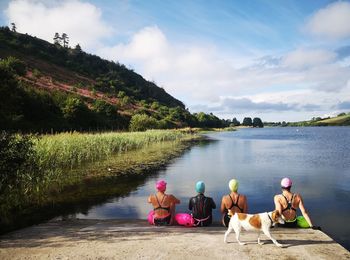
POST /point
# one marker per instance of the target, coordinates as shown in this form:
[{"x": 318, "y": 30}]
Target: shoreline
[
  {"x": 135, "y": 239},
  {"x": 95, "y": 182}
]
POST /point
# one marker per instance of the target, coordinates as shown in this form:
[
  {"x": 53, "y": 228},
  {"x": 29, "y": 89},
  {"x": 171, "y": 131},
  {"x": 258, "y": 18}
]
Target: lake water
[{"x": 316, "y": 159}]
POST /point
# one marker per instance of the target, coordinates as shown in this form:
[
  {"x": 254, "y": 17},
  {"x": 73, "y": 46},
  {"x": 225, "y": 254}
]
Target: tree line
[
  {"x": 29, "y": 109},
  {"x": 247, "y": 121}
]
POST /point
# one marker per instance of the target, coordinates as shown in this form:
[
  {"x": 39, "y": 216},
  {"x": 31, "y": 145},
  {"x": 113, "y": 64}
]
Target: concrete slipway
[{"x": 135, "y": 239}]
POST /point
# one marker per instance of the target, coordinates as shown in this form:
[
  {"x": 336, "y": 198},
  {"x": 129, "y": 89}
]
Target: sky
[{"x": 277, "y": 60}]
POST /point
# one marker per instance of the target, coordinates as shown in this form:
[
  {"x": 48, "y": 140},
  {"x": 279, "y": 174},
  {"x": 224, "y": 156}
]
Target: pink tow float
[
  {"x": 184, "y": 219},
  {"x": 150, "y": 217}
]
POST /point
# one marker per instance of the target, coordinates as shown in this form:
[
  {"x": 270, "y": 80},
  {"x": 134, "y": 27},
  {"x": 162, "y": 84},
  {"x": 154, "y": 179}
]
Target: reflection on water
[{"x": 316, "y": 159}]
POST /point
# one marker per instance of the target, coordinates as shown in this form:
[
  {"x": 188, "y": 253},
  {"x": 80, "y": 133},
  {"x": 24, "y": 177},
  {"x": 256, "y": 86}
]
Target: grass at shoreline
[
  {"x": 69, "y": 150},
  {"x": 71, "y": 159},
  {"x": 91, "y": 183}
]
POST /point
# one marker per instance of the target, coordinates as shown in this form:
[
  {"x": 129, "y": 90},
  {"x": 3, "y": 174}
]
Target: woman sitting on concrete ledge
[
  {"x": 235, "y": 202},
  {"x": 287, "y": 204},
  {"x": 163, "y": 205},
  {"x": 201, "y": 207}
]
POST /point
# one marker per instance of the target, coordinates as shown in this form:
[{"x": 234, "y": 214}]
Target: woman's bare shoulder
[
  {"x": 277, "y": 196},
  {"x": 297, "y": 196},
  {"x": 243, "y": 196}
]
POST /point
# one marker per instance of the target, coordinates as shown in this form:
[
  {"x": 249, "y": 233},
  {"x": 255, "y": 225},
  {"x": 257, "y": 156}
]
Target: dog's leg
[
  {"x": 267, "y": 233},
  {"x": 238, "y": 233},
  {"x": 229, "y": 230},
  {"x": 259, "y": 242}
]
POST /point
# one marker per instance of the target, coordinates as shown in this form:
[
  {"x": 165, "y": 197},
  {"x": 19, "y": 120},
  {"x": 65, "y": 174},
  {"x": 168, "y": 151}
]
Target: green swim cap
[
  {"x": 233, "y": 185},
  {"x": 200, "y": 187}
]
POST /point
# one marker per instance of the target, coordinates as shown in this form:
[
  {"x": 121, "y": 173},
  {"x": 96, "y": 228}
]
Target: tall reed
[{"x": 68, "y": 150}]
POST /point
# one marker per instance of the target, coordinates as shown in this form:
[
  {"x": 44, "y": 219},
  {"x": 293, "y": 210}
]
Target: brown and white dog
[{"x": 257, "y": 222}]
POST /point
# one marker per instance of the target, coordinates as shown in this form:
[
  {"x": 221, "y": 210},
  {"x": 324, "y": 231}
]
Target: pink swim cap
[
  {"x": 161, "y": 185},
  {"x": 286, "y": 183}
]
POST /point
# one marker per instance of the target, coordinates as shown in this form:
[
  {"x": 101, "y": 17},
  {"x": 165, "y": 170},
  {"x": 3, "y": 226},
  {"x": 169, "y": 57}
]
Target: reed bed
[{"x": 69, "y": 150}]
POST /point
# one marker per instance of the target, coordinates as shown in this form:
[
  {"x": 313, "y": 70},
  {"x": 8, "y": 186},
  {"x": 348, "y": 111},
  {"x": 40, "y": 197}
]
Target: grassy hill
[
  {"x": 61, "y": 88},
  {"x": 342, "y": 119}
]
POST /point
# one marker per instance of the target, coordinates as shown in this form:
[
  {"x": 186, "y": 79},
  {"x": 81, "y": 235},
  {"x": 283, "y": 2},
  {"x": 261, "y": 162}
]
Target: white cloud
[
  {"x": 301, "y": 58},
  {"x": 177, "y": 67},
  {"x": 201, "y": 74},
  {"x": 148, "y": 46},
  {"x": 80, "y": 20},
  {"x": 332, "y": 21}
]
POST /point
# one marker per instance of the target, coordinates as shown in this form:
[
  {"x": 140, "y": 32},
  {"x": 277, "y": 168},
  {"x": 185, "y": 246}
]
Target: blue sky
[{"x": 279, "y": 60}]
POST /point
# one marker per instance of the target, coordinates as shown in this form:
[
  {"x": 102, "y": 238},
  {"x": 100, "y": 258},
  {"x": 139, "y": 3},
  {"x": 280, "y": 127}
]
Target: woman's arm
[
  {"x": 278, "y": 205},
  {"x": 213, "y": 205},
  {"x": 245, "y": 207},
  {"x": 223, "y": 206},
  {"x": 304, "y": 211},
  {"x": 149, "y": 199},
  {"x": 190, "y": 204},
  {"x": 174, "y": 199}
]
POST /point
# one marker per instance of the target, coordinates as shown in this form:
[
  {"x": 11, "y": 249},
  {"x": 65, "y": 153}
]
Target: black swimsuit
[
  {"x": 289, "y": 223},
  {"x": 227, "y": 217},
  {"x": 165, "y": 220},
  {"x": 201, "y": 207}
]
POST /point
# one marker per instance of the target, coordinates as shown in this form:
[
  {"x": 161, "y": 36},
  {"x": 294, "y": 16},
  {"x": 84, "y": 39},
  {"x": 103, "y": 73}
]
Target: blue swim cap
[{"x": 200, "y": 187}]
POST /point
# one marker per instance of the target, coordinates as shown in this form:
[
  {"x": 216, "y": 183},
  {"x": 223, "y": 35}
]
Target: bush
[
  {"x": 16, "y": 65},
  {"x": 17, "y": 159},
  {"x": 36, "y": 73},
  {"x": 142, "y": 122}
]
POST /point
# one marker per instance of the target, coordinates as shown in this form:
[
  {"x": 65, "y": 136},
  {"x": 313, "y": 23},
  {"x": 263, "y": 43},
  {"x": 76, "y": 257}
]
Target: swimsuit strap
[
  {"x": 235, "y": 204},
  {"x": 289, "y": 203},
  {"x": 160, "y": 203}
]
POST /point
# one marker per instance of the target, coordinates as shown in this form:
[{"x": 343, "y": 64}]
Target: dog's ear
[{"x": 230, "y": 213}]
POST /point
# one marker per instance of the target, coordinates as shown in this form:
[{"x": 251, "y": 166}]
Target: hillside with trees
[{"x": 49, "y": 87}]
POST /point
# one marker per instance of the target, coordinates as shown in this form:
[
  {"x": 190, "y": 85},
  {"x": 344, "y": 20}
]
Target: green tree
[
  {"x": 36, "y": 73},
  {"x": 13, "y": 27},
  {"x": 65, "y": 40},
  {"x": 235, "y": 122},
  {"x": 11, "y": 96},
  {"x": 76, "y": 112},
  {"x": 105, "y": 108},
  {"x": 16, "y": 158},
  {"x": 142, "y": 122},
  {"x": 155, "y": 105},
  {"x": 57, "y": 39},
  {"x": 257, "y": 122},
  {"x": 78, "y": 48},
  {"x": 124, "y": 101},
  {"x": 247, "y": 121}
]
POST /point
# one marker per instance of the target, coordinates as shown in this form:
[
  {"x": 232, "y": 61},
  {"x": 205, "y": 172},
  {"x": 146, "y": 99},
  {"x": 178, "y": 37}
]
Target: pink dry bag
[
  {"x": 184, "y": 219},
  {"x": 150, "y": 217}
]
